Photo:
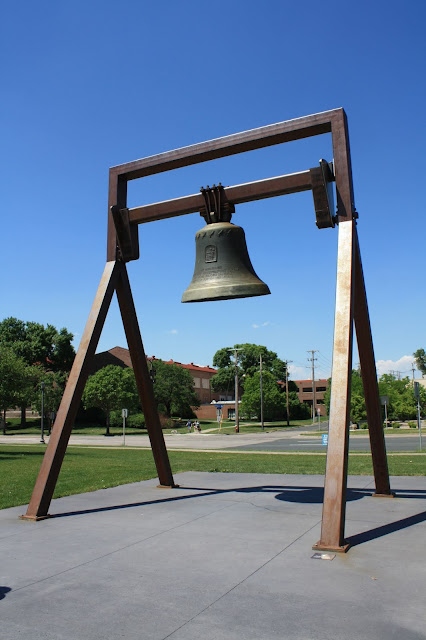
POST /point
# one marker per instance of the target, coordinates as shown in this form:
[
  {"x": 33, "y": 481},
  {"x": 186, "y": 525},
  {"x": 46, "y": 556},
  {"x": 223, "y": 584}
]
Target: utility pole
[
  {"x": 312, "y": 359},
  {"x": 261, "y": 393},
  {"x": 413, "y": 370},
  {"x": 286, "y": 390},
  {"x": 237, "y": 420}
]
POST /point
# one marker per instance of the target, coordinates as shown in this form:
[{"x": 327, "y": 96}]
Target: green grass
[{"x": 88, "y": 469}]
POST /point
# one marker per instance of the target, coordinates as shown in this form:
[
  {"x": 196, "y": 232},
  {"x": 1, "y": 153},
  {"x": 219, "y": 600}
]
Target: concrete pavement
[{"x": 224, "y": 557}]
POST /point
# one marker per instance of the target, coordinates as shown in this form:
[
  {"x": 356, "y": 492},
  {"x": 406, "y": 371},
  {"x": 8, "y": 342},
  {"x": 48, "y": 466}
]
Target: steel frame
[{"x": 351, "y": 308}]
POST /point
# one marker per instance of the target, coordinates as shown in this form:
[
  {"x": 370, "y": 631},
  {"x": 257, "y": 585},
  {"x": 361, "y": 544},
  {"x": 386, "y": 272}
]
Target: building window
[
  {"x": 321, "y": 389},
  {"x": 206, "y": 383},
  {"x": 320, "y": 401},
  {"x": 307, "y": 389},
  {"x": 197, "y": 383}
]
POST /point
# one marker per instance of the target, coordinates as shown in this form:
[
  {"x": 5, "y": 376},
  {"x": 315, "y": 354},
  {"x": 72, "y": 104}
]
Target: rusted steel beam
[
  {"x": 333, "y": 515},
  {"x": 143, "y": 381},
  {"x": 55, "y": 451},
  {"x": 261, "y": 137},
  {"x": 342, "y": 167},
  {"x": 237, "y": 194},
  {"x": 369, "y": 380}
]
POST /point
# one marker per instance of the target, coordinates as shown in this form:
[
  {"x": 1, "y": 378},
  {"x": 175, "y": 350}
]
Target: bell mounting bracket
[{"x": 216, "y": 206}]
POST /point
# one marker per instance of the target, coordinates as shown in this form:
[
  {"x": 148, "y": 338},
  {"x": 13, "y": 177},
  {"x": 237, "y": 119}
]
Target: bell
[{"x": 223, "y": 269}]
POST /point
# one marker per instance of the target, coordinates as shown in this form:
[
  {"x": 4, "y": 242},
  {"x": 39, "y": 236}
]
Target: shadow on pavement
[{"x": 4, "y": 591}]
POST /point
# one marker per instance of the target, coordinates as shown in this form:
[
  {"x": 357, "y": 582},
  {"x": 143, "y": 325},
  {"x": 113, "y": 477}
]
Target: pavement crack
[
  {"x": 242, "y": 581},
  {"x": 111, "y": 553}
]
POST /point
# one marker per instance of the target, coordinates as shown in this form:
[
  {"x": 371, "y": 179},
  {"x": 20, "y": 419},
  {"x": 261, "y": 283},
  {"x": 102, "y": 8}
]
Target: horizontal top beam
[
  {"x": 269, "y": 188},
  {"x": 286, "y": 131}
]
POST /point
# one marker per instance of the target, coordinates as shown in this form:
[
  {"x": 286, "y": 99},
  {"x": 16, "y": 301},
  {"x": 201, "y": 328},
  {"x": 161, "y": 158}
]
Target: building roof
[
  {"x": 192, "y": 366},
  {"x": 121, "y": 357}
]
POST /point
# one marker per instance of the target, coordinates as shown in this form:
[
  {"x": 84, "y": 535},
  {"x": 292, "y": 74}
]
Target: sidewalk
[{"x": 224, "y": 557}]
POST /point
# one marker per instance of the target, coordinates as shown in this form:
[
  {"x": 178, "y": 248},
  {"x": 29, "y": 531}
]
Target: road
[{"x": 273, "y": 441}]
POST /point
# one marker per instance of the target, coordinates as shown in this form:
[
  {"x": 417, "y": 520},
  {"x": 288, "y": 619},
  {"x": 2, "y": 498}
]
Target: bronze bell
[{"x": 223, "y": 269}]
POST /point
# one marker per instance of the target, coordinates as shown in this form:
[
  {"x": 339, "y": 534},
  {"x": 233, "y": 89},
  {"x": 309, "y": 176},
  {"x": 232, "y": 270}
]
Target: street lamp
[
  {"x": 261, "y": 393},
  {"x": 42, "y": 386}
]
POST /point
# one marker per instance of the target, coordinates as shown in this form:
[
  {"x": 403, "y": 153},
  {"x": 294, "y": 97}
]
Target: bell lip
[{"x": 229, "y": 292}]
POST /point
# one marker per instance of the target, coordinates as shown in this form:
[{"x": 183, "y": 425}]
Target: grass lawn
[{"x": 87, "y": 469}]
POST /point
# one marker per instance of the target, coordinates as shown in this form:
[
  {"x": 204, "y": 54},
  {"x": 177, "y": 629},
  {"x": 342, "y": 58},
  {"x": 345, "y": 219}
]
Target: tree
[
  {"x": 174, "y": 389},
  {"x": 49, "y": 348},
  {"x": 54, "y": 385},
  {"x": 401, "y": 405},
  {"x": 420, "y": 358},
  {"x": 248, "y": 364},
  {"x": 111, "y": 388},
  {"x": 37, "y": 344},
  {"x": 16, "y": 380},
  {"x": 274, "y": 401}
]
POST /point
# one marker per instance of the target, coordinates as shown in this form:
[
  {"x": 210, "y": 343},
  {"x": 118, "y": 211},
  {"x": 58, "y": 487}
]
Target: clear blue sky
[{"x": 88, "y": 85}]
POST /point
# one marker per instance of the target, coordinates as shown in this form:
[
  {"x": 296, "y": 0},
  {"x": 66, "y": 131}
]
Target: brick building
[
  {"x": 120, "y": 357},
  {"x": 305, "y": 393}
]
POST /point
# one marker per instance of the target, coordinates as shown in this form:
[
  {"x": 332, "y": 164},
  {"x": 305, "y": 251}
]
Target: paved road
[
  {"x": 356, "y": 443},
  {"x": 266, "y": 441}
]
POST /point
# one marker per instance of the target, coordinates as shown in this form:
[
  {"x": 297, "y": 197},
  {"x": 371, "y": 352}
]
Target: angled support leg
[
  {"x": 143, "y": 381},
  {"x": 55, "y": 451},
  {"x": 369, "y": 379},
  {"x": 334, "y": 507}
]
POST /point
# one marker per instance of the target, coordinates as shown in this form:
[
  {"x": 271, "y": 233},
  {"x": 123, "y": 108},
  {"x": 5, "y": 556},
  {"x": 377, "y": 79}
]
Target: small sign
[
  {"x": 384, "y": 400},
  {"x": 124, "y": 413},
  {"x": 416, "y": 390},
  {"x": 325, "y": 439}
]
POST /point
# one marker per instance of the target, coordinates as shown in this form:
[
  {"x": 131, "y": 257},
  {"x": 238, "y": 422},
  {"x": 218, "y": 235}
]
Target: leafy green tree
[
  {"x": 16, "y": 380},
  {"x": 420, "y": 358},
  {"x": 111, "y": 388},
  {"x": 174, "y": 389},
  {"x": 274, "y": 401},
  {"x": 54, "y": 385},
  {"x": 47, "y": 347},
  {"x": 402, "y": 404},
  {"x": 248, "y": 364}
]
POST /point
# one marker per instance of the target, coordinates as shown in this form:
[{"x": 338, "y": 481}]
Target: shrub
[
  {"x": 136, "y": 420},
  {"x": 412, "y": 424},
  {"x": 396, "y": 425}
]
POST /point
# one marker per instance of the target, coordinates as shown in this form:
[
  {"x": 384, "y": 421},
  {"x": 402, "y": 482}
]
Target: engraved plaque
[{"x": 211, "y": 253}]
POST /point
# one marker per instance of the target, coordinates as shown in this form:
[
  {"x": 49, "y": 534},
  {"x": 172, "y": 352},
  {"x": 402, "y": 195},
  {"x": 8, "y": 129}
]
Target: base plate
[{"x": 323, "y": 547}]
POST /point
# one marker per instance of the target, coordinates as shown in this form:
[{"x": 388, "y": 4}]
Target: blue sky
[{"x": 89, "y": 85}]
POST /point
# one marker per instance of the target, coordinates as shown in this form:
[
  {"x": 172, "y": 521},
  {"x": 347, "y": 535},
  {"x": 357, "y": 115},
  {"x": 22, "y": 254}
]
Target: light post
[
  {"x": 419, "y": 421},
  {"x": 42, "y": 386},
  {"x": 261, "y": 394},
  {"x": 237, "y": 419}
]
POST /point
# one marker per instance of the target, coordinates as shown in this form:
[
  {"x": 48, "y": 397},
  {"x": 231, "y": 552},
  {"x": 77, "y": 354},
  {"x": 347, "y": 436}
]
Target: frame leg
[
  {"x": 369, "y": 379},
  {"x": 55, "y": 451},
  {"x": 334, "y": 507},
  {"x": 143, "y": 381}
]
